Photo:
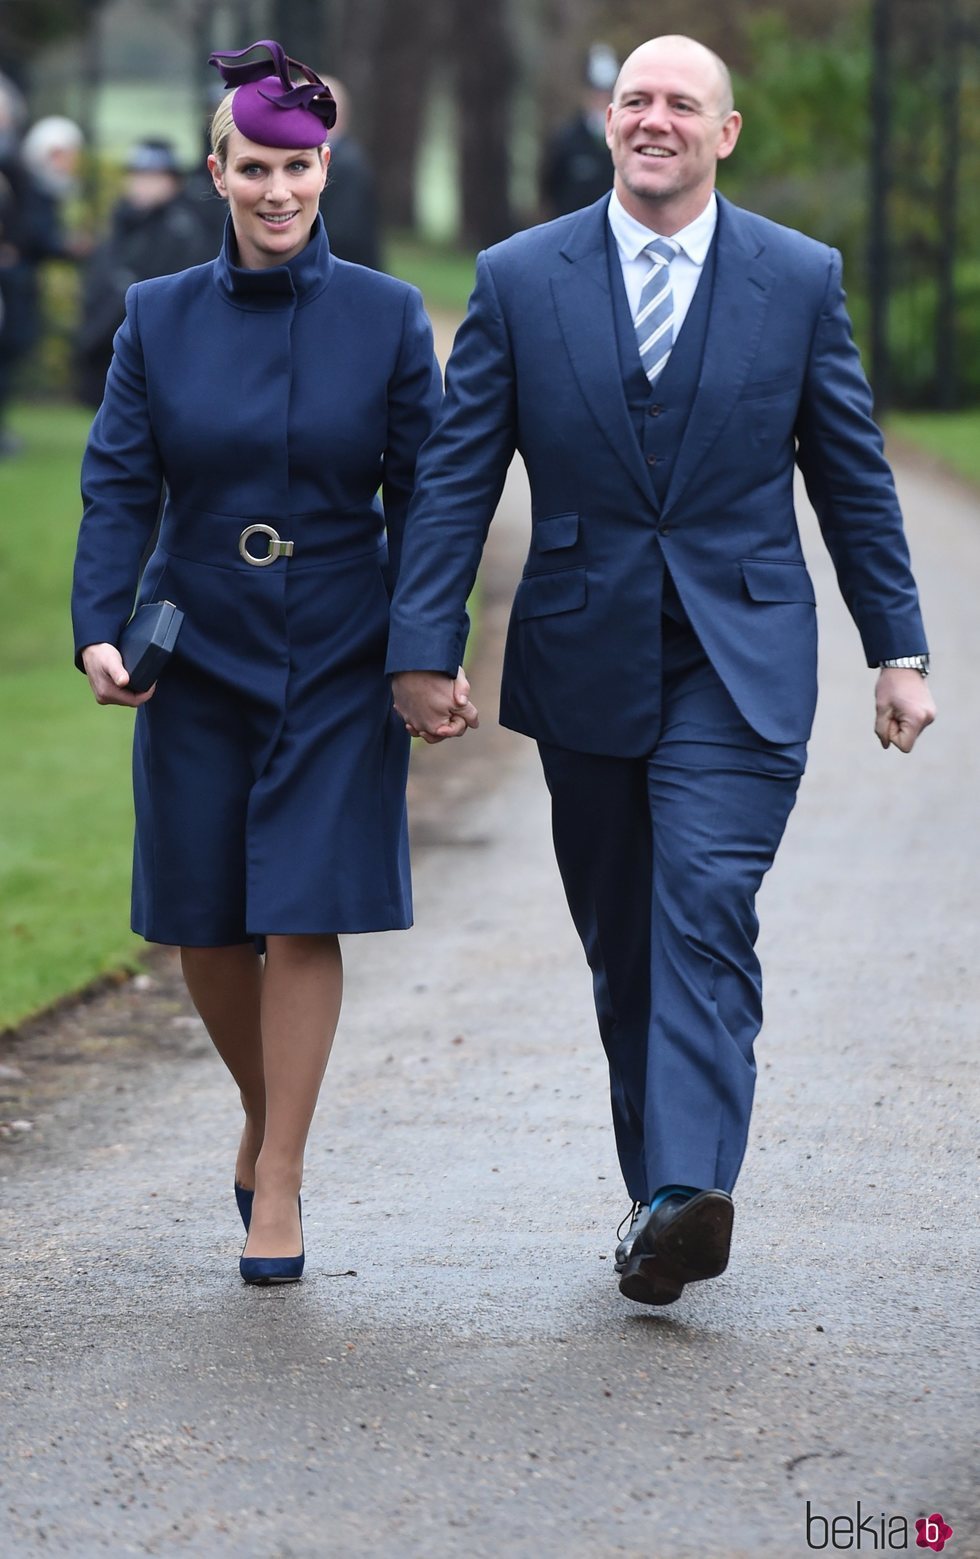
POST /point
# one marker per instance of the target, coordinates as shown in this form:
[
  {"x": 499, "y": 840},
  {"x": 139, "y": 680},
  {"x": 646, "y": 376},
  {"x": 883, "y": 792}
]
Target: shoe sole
[{"x": 693, "y": 1247}]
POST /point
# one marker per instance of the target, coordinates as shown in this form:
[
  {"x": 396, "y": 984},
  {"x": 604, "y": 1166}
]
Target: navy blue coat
[
  {"x": 269, "y": 768},
  {"x": 536, "y": 368}
]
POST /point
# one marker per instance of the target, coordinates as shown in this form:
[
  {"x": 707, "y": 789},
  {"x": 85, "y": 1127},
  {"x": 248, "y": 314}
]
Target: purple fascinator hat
[{"x": 269, "y": 107}]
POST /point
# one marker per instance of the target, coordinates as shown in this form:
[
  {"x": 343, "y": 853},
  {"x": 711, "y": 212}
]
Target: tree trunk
[
  {"x": 484, "y": 72},
  {"x": 390, "y": 104},
  {"x": 566, "y": 28},
  {"x": 354, "y": 62},
  {"x": 300, "y": 26}
]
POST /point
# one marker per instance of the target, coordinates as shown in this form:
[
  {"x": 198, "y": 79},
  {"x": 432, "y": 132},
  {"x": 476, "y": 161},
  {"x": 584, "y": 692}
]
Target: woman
[{"x": 271, "y": 392}]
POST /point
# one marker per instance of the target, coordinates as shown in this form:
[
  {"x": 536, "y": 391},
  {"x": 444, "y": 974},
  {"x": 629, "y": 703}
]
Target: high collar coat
[{"x": 269, "y": 765}]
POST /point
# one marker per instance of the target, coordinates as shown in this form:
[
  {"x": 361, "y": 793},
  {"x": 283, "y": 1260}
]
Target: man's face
[
  {"x": 146, "y": 188},
  {"x": 667, "y": 127}
]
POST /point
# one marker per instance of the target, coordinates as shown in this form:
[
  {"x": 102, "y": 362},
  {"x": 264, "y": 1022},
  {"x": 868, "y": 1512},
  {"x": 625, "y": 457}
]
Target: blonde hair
[{"x": 222, "y": 125}]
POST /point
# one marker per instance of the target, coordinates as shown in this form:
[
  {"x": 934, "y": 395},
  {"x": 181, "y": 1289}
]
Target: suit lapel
[
  {"x": 584, "y": 305},
  {"x": 738, "y": 309}
]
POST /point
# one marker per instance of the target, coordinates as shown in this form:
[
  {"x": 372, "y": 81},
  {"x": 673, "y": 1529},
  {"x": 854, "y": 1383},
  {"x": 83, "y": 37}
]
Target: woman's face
[{"x": 273, "y": 194}]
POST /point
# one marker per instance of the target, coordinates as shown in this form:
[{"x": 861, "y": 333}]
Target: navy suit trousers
[{"x": 661, "y": 859}]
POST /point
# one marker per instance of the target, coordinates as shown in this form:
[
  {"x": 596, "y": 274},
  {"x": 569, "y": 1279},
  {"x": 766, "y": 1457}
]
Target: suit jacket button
[
  {"x": 665, "y": 530},
  {"x": 651, "y": 460},
  {"x": 654, "y": 411}
]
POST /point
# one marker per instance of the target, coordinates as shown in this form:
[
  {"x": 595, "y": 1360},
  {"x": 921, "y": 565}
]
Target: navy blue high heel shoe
[
  {"x": 275, "y": 1269},
  {"x": 244, "y": 1199}
]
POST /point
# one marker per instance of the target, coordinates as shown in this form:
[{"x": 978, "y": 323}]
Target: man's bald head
[
  {"x": 670, "y": 123},
  {"x": 717, "y": 77}
]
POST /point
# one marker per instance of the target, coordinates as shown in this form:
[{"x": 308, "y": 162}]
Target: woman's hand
[
  {"x": 108, "y": 677},
  {"x": 433, "y": 706}
]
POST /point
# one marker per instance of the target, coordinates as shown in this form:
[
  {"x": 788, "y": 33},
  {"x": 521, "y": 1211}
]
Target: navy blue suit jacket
[{"x": 535, "y": 368}]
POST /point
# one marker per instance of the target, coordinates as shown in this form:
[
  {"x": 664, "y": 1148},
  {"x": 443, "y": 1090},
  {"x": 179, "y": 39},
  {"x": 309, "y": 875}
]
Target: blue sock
[{"x": 686, "y": 1191}]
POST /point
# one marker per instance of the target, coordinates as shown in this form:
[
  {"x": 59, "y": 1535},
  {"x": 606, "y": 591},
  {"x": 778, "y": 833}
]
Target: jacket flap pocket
[
  {"x": 541, "y": 595},
  {"x": 557, "y": 530},
  {"x": 774, "y": 581},
  {"x": 757, "y": 391}
]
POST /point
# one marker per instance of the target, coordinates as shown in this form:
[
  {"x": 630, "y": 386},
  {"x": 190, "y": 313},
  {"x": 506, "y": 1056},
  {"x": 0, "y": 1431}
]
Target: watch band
[{"x": 918, "y": 663}]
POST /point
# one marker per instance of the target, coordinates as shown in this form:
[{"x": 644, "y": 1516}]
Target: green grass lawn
[
  {"x": 444, "y": 276},
  {"x": 953, "y": 436},
  {"x": 65, "y": 797},
  {"x": 66, "y": 829}
]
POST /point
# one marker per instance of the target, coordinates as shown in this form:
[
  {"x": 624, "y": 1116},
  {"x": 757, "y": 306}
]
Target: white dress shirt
[{"x": 685, "y": 269}]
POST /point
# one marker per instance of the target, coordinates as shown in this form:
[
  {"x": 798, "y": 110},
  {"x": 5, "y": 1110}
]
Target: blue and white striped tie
[{"x": 654, "y": 322}]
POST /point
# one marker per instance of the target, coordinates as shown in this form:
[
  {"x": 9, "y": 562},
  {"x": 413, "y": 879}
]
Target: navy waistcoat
[{"x": 659, "y": 413}]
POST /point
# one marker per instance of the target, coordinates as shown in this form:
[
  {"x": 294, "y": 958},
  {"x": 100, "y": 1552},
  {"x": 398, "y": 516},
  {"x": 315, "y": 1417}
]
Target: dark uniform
[
  {"x": 349, "y": 205},
  {"x": 577, "y": 168},
  {"x": 30, "y": 232},
  {"x": 144, "y": 241}
]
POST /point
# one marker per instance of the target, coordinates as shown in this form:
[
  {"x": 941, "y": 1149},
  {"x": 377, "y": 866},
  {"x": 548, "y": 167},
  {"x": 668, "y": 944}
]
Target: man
[
  {"x": 349, "y": 203},
  {"x": 576, "y": 168},
  {"x": 660, "y": 360},
  {"x": 37, "y": 176},
  {"x": 155, "y": 230}
]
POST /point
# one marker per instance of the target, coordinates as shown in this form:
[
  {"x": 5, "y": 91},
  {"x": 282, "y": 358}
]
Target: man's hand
[
  {"x": 903, "y": 707},
  {"x": 434, "y": 706},
  {"x": 108, "y": 677}
]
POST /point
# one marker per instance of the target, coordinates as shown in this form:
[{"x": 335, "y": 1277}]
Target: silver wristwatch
[{"x": 918, "y": 663}]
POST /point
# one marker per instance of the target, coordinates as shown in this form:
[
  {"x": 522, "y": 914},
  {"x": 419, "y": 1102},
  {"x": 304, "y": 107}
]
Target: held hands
[
  {"x": 903, "y": 707},
  {"x": 434, "y": 706},
  {"x": 108, "y": 677}
]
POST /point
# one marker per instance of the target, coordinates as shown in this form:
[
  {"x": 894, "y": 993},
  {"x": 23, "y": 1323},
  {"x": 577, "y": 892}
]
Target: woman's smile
[{"x": 273, "y": 194}]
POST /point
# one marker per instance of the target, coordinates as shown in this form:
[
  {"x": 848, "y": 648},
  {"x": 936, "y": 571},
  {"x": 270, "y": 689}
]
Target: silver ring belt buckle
[{"x": 277, "y": 547}]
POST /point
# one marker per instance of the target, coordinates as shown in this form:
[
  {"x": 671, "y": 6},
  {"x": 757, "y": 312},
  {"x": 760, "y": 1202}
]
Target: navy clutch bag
[{"x": 147, "y": 643}]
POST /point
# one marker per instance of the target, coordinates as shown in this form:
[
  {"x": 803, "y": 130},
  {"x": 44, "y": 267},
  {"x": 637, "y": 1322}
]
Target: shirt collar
[{"x": 632, "y": 237}]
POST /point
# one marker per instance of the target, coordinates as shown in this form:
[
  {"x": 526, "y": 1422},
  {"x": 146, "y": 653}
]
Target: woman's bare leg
[
  {"x": 301, "y": 994},
  {"x": 225, "y": 985}
]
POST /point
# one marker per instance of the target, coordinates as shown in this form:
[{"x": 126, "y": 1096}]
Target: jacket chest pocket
[{"x": 554, "y": 533}]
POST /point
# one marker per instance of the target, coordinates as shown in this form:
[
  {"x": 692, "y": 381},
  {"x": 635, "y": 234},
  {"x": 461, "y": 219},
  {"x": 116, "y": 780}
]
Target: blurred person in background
[
  {"x": 13, "y": 117},
  {"x": 37, "y": 176},
  {"x": 349, "y": 203},
  {"x": 155, "y": 230},
  {"x": 577, "y": 167},
  {"x": 52, "y": 153},
  {"x": 199, "y": 188},
  {"x": 13, "y": 113}
]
